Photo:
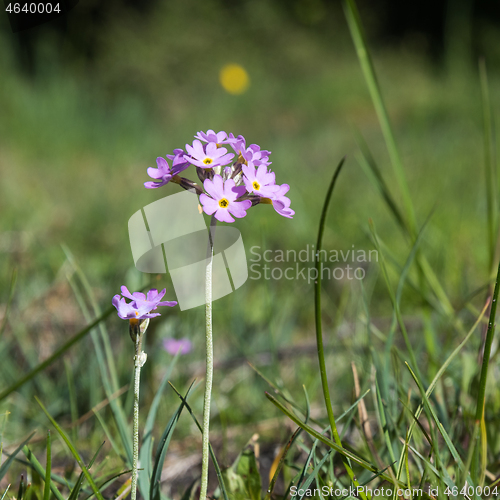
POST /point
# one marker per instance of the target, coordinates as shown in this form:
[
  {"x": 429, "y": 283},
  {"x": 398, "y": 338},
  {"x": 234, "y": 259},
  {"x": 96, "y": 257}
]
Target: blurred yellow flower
[{"x": 234, "y": 79}]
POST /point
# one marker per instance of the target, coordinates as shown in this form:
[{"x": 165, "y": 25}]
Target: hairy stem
[
  {"x": 139, "y": 360},
  {"x": 209, "y": 373}
]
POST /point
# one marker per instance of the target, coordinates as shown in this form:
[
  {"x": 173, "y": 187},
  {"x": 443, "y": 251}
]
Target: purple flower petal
[
  {"x": 174, "y": 346},
  {"x": 209, "y": 204},
  {"x": 141, "y": 305},
  {"x": 222, "y": 215}
]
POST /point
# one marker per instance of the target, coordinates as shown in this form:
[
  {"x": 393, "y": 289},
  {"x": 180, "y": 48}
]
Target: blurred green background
[{"x": 88, "y": 102}]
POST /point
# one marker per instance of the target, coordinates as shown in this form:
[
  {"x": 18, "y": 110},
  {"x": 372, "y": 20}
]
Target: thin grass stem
[
  {"x": 486, "y": 354},
  {"x": 319, "y": 329}
]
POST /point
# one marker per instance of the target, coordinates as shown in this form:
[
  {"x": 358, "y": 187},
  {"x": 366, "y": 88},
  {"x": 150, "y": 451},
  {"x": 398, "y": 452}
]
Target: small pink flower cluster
[{"x": 232, "y": 182}]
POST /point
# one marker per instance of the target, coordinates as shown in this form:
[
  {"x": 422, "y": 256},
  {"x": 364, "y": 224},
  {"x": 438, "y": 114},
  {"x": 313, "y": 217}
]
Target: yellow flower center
[
  {"x": 208, "y": 161},
  {"x": 136, "y": 313},
  {"x": 223, "y": 203},
  {"x": 256, "y": 185}
]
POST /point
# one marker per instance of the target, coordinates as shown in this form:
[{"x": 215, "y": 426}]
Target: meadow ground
[{"x": 73, "y": 159}]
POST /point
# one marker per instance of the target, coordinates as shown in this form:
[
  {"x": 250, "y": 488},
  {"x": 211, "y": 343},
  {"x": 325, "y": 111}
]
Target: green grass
[{"x": 74, "y": 148}]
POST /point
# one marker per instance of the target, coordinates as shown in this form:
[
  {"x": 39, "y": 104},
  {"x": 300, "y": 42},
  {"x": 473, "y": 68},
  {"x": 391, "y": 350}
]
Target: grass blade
[
  {"x": 308, "y": 459},
  {"x": 104, "y": 369},
  {"x": 370, "y": 167},
  {"x": 106, "y": 430},
  {"x": 319, "y": 332},
  {"x": 383, "y": 423},
  {"x": 57, "y": 354},
  {"x": 489, "y": 166},
  {"x": 97, "y": 312},
  {"x": 395, "y": 298},
  {"x": 147, "y": 440},
  {"x": 163, "y": 447},
  {"x": 281, "y": 394},
  {"x": 37, "y": 467},
  {"x": 72, "y": 398},
  {"x": 108, "y": 482},
  {"x": 359, "y": 39},
  {"x": 281, "y": 462},
  {"x": 9, "y": 300},
  {"x": 73, "y": 451},
  {"x": 212, "y": 454},
  {"x": 5, "y": 466},
  {"x": 22, "y": 489},
  {"x": 439, "y": 425},
  {"x": 314, "y": 473},
  {"x": 48, "y": 467},
  {"x": 5, "y": 492},
  {"x": 339, "y": 449},
  {"x": 438, "y": 375},
  {"x": 490, "y": 333},
  {"x": 76, "y": 489}
]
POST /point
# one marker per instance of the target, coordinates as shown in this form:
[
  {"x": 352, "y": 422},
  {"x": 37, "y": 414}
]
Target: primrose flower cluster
[{"x": 232, "y": 182}]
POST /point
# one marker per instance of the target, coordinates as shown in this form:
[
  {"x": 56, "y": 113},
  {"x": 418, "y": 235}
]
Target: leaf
[
  {"x": 242, "y": 479},
  {"x": 190, "y": 493},
  {"x": 73, "y": 451},
  {"x": 318, "y": 323},
  {"x": 249, "y": 470},
  {"x": 314, "y": 473},
  {"x": 343, "y": 451},
  {"x": 37, "y": 466},
  {"x": 5, "y": 492},
  {"x": 76, "y": 489},
  {"x": 212, "y": 454},
  {"x": 106, "y": 365},
  {"x": 9, "y": 301},
  {"x": 279, "y": 465},
  {"x": 48, "y": 467},
  {"x": 489, "y": 165},
  {"x": 147, "y": 440},
  {"x": 161, "y": 451},
  {"x": 57, "y": 354},
  {"x": 22, "y": 489},
  {"x": 439, "y": 426},
  {"x": 108, "y": 482},
  {"x": 5, "y": 466}
]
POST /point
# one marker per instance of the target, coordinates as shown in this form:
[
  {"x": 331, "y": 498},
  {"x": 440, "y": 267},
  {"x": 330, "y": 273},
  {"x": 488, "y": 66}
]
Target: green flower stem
[
  {"x": 209, "y": 372},
  {"x": 137, "y": 331}
]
